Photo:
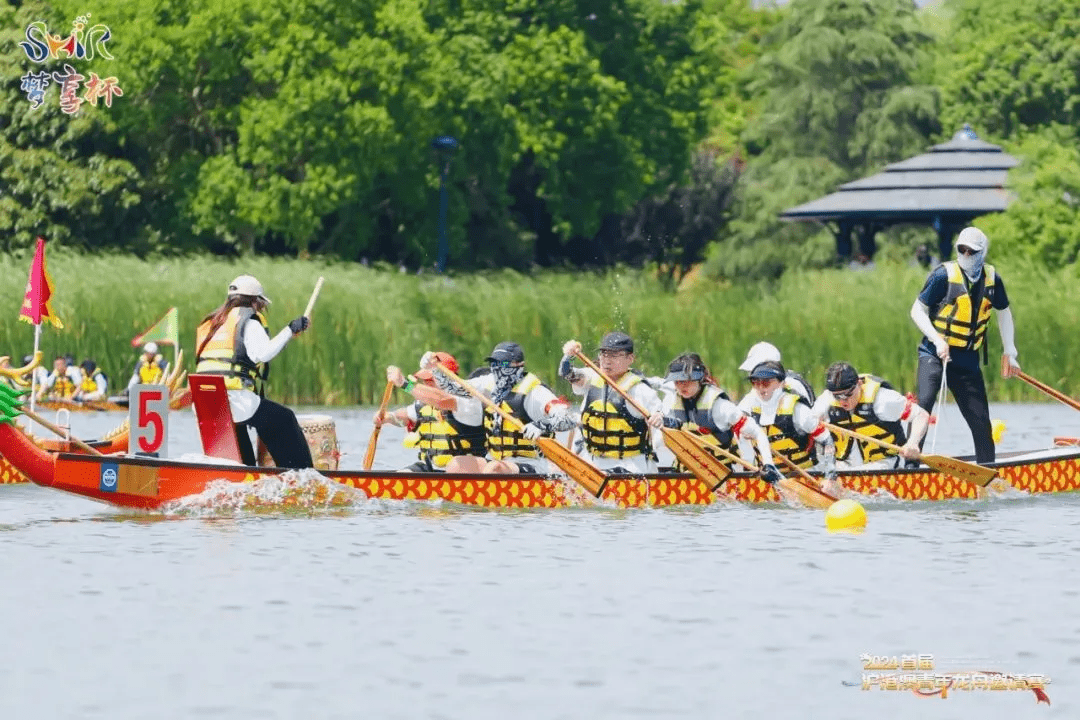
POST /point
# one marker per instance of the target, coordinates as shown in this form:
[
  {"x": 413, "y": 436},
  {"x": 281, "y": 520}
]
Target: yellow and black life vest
[
  {"x": 695, "y": 416},
  {"x": 959, "y": 319},
  {"x": 864, "y": 420},
  {"x": 610, "y": 431},
  {"x": 440, "y": 436},
  {"x": 225, "y": 354},
  {"x": 503, "y": 440},
  {"x": 89, "y": 382},
  {"x": 63, "y": 386},
  {"x": 152, "y": 372},
  {"x": 784, "y": 437}
]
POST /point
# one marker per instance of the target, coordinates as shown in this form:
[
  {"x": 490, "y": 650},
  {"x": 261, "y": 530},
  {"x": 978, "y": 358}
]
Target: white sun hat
[
  {"x": 247, "y": 285},
  {"x": 759, "y": 353}
]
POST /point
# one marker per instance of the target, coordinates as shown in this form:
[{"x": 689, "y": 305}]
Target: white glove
[
  {"x": 941, "y": 347},
  {"x": 426, "y": 360},
  {"x": 532, "y": 431}
]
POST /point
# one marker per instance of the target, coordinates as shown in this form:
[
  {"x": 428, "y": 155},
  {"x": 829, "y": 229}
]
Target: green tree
[
  {"x": 62, "y": 176},
  {"x": 1012, "y": 66},
  {"x": 840, "y": 97}
]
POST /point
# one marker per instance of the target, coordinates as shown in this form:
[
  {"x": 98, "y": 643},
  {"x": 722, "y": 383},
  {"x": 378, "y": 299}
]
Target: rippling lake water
[{"x": 420, "y": 610}]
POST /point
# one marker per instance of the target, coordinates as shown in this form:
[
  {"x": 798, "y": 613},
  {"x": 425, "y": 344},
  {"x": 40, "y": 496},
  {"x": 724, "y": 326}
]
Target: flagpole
[{"x": 33, "y": 373}]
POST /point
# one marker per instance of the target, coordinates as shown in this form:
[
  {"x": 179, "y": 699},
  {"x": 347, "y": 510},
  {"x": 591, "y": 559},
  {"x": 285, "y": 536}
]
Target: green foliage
[
  {"x": 840, "y": 98},
  {"x": 64, "y": 177},
  {"x": 367, "y": 319},
  {"x": 1012, "y": 66},
  {"x": 1043, "y": 222}
]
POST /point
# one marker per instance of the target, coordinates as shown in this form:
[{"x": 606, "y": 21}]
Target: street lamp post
[{"x": 445, "y": 145}]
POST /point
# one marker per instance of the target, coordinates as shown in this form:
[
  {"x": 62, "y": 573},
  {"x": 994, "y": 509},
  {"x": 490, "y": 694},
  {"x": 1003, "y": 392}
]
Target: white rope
[{"x": 940, "y": 407}]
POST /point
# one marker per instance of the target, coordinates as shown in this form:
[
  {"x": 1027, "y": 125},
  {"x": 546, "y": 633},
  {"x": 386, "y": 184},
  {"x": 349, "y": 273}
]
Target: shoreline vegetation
[{"x": 368, "y": 318}]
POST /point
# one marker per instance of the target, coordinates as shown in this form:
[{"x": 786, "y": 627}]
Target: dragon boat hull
[{"x": 146, "y": 483}]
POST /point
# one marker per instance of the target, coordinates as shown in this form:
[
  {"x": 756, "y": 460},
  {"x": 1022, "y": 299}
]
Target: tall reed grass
[{"x": 368, "y": 318}]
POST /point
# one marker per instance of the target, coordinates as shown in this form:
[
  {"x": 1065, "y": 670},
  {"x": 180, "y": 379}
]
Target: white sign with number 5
[{"x": 148, "y": 416}]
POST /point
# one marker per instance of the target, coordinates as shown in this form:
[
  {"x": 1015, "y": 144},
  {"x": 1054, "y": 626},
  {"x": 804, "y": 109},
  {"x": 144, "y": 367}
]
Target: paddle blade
[
  {"x": 695, "y": 457},
  {"x": 806, "y": 494},
  {"x": 969, "y": 472},
  {"x": 580, "y": 470}
]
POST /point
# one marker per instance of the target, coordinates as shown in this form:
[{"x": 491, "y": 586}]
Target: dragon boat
[
  {"x": 112, "y": 442},
  {"x": 149, "y": 483}
]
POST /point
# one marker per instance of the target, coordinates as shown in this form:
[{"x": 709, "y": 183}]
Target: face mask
[
  {"x": 505, "y": 380},
  {"x": 972, "y": 265}
]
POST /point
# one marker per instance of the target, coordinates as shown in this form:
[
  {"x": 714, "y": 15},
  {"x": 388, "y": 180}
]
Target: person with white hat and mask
[
  {"x": 794, "y": 382},
  {"x": 953, "y": 311},
  {"x": 150, "y": 369},
  {"x": 233, "y": 341}
]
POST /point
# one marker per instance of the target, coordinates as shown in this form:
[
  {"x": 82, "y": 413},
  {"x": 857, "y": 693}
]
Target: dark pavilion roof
[{"x": 964, "y": 177}]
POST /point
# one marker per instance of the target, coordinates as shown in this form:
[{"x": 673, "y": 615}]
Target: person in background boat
[
  {"x": 522, "y": 394},
  {"x": 793, "y": 429},
  {"x": 953, "y": 311},
  {"x": 794, "y": 382},
  {"x": 150, "y": 368},
  {"x": 617, "y": 437},
  {"x": 869, "y": 405},
  {"x": 699, "y": 406},
  {"x": 62, "y": 382},
  {"x": 445, "y": 424},
  {"x": 233, "y": 341},
  {"x": 40, "y": 375},
  {"x": 94, "y": 385}
]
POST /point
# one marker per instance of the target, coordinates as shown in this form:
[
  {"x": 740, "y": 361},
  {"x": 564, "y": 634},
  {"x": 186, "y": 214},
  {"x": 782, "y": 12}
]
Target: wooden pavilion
[{"x": 945, "y": 188}]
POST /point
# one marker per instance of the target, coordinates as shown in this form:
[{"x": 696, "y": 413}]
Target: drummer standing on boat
[
  {"x": 952, "y": 311},
  {"x": 523, "y": 395},
  {"x": 233, "y": 341},
  {"x": 617, "y": 437}
]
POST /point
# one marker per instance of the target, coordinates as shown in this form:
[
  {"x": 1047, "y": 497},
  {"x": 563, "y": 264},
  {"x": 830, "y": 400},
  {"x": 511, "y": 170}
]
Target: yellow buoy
[
  {"x": 845, "y": 515},
  {"x": 997, "y": 427}
]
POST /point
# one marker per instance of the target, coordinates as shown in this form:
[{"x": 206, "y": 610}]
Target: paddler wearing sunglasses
[{"x": 868, "y": 405}]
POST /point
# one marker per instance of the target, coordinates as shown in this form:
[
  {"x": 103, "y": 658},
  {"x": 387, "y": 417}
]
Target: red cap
[{"x": 441, "y": 357}]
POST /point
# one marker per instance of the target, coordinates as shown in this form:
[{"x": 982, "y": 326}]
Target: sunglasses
[
  {"x": 846, "y": 395},
  {"x": 965, "y": 250},
  {"x": 500, "y": 363}
]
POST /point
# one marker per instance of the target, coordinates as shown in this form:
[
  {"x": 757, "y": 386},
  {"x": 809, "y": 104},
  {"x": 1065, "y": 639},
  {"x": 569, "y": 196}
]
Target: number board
[{"x": 148, "y": 416}]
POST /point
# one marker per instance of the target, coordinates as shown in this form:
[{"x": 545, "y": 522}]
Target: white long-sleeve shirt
[{"x": 260, "y": 348}]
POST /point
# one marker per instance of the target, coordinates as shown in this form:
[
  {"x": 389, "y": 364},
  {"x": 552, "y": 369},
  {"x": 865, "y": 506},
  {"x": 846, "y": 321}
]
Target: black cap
[
  {"x": 507, "y": 352},
  {"x": 88, "y": 365},
  {"x": 768, "y": 370},
  {"x": 617, "y": 341},
  {"x": 682, "y": 369},
  {"x": 840, "y": 376},
  {"x": 27, "y": 359}
]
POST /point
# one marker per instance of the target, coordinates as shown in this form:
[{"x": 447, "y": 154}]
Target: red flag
[{"x": 39, "y": 289}]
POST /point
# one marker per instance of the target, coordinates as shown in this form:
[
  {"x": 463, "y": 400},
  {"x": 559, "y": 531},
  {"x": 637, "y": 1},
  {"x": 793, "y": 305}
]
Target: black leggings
[
  {"x": 969, "y": 391},
  {"x": 280, "y": 432}
]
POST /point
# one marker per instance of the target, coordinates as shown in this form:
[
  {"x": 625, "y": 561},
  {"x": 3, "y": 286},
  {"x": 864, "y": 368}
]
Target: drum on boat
[{"x": 321, "y": 435}]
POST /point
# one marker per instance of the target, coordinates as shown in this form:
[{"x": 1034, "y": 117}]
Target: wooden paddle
[
  {"x": 314, "y": 297},
  {"x": 807, "y": 492},
  {"x": 1056, "y": 394},
  {"x": 369, "y": 458},
  {"x": 590, "y": 477},
  {"x": 693, "y": 455},
  {"x": 969, "y": 472},
  {"x": 59, "y": 431}
]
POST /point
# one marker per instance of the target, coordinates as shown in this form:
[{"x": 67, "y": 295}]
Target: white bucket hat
[
  {"x": 150, "y": 347},
  {"x": 248, "y": 285},
  {"x": 759, "y": 353}
]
